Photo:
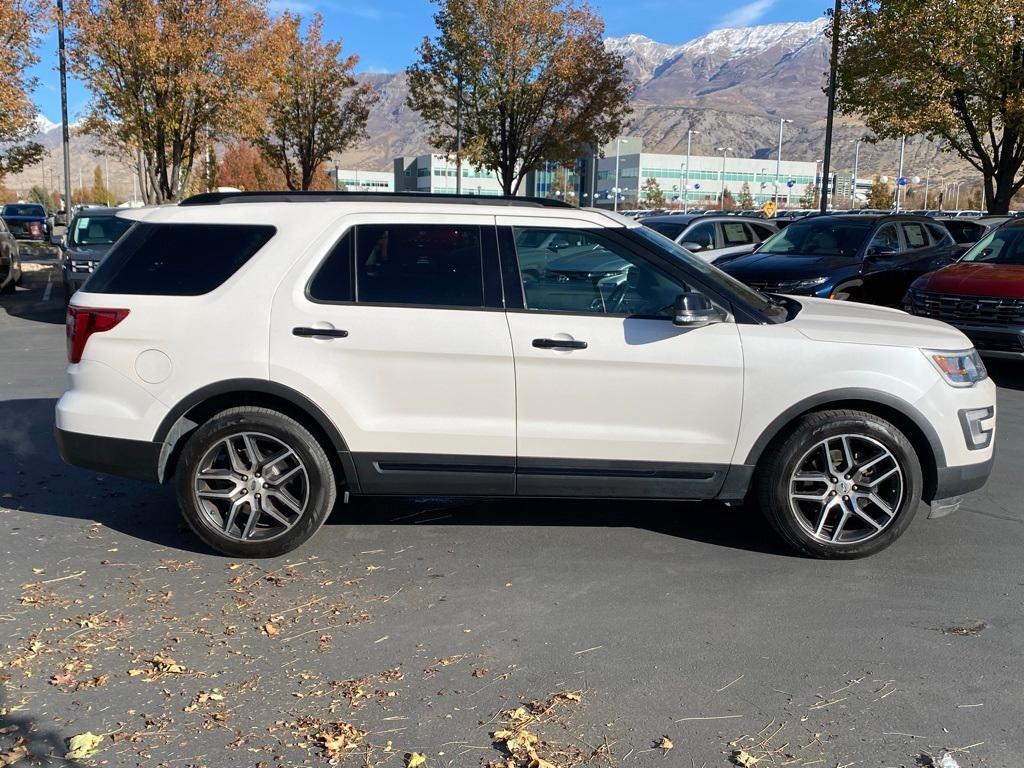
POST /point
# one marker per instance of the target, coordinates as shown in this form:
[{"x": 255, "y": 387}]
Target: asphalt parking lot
[{"x": 427, "y": 626}]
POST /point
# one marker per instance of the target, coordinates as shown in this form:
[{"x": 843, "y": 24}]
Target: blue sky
[{"x": 385, "y": 32}]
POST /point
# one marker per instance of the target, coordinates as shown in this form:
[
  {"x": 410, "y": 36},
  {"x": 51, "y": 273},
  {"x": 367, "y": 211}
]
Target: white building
[
  {"x": 701, "y": 184},
  {"x": 363, "y": 181},
  {"x": 436, "y": 174}
]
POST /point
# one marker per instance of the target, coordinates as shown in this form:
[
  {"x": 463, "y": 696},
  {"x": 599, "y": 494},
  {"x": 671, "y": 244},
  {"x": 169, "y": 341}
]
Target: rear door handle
[
  {"x": 312, "y": 333},
  {"x": 559, "y": 344}
]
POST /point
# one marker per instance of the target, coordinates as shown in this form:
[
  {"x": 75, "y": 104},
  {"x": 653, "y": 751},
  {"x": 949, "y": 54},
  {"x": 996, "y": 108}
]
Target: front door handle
[
  {"x": 312, "y": 333},
  {"x": 559, "y": 344}
]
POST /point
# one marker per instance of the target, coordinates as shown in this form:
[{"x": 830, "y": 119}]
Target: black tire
[
  {"x": 780, "y": 461},
  {"x": 9, "y": 286},
  {"x": 322, "y": 486}
]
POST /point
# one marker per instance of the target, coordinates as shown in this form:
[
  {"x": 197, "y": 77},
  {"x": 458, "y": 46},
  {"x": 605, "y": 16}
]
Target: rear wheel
[
  {"x": 253, "y": 482},
  {"x": 840, "y": 484}
]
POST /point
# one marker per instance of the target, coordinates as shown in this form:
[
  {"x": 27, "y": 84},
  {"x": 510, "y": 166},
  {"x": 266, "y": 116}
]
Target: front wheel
[
  {"x": 840, "y": 484},
  {"x": 252, "y": 482}
]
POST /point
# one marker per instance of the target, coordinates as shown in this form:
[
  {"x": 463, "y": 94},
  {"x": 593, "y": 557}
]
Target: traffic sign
[
  {"x": 791, "y": 183},
  {"x": 696, "y": 185},
  {"x": 768, "y": 209},
  {"x": 902, "y": 181}
]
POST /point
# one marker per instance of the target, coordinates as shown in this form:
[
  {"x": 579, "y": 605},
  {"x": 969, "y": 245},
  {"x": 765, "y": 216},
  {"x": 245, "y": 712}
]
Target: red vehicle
[{"x": 982, "y": 294}]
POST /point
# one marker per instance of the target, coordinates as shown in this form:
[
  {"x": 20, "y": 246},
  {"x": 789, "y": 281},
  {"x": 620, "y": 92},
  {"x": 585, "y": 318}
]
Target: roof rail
[{"x": 284, "y": 196}]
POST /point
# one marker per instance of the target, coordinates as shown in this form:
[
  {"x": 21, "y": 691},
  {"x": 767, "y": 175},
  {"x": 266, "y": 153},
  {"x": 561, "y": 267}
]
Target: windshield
[
  {"x": 24, "y": 210},
  {"x": 1003, "y": 246},
  {"x": 98, "y": 230},
  {"x": 821, "y": 237},
  {"x": 713, "y": 275}
]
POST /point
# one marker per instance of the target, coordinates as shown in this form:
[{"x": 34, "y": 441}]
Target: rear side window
[
  {"x": 735, "y": 233},
  {"x": 419, "y": 264},
  {"x": 915, "y": 235},
  {"x": 333, "y": 279},
  {"x": 177, "y": 259}
]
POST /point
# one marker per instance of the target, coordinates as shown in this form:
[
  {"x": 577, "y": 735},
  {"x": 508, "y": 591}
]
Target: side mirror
[
  {"x": 693, "y": 310},
  {"x": 692, "y": 246},
  {"x": 880, "y": 251},
  {"x": 57, "y": 240}
]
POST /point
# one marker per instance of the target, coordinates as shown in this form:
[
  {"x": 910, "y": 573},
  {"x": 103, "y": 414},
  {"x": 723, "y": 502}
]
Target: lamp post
[
  {"x": 778, "y": 161},
  {"x": 826, "y": 165},
  {"x": 856, "y": 167},
  {"x": 65, "y": 136},
  {"x": 615, "y": 203},
  {"x": 686, "y": 185},
  {"x": 958, "y": 184},
  {"x": 721, "y": 192},
  {"x": 899, "y": 176}
]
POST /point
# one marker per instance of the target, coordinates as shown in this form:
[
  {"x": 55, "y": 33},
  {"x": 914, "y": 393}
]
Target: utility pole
[
  {"x": 65, "y": 136},
  {"x": 778, "y": 161},
  {"x": 826, "y": 167},
  {"x": 899, "y": 177},
  {"x": 856, "y": 167},
  {"x": 721, "y": 200},
  {"x": 686, "y": 188}
]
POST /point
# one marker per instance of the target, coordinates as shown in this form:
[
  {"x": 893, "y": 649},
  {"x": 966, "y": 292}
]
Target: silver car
[{"x": 712, "y": 237}]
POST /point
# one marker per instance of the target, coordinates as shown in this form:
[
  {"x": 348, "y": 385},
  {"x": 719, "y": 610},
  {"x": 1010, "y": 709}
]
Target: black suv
[{"x": 871, "y": 258}]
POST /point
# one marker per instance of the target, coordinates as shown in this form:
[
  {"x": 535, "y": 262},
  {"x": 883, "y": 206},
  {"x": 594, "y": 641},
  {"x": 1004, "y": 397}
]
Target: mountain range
[{"x": 731, "y": 85}]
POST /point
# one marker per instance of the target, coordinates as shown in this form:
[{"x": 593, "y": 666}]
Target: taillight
[
  {"x": 83, "y": 322},
  {"x": 35, "y": 229}
]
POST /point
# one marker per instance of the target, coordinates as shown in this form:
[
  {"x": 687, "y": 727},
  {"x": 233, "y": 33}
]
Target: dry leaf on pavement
[
  {"x": 415, "y": 760},
  {"x": 83, "y": 745},
  {"x": 665, "y": 743}
]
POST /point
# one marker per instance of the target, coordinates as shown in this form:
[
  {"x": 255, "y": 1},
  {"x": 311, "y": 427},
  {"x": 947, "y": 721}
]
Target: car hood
[
  {"x": 791, "y": 266},
  {"x": 89, "y": 253},
  {"x": 973, "y": 278},
  {"x": 849, "y": 322}
]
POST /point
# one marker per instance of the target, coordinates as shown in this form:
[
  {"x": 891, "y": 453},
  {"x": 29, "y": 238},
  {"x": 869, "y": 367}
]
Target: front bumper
[
  {"x": 137, "y": 459},
  {"x": 956, "y": 481},
  {"x": 995, "y": 340}
]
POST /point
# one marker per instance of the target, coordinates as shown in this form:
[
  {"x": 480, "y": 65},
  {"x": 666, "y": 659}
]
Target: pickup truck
[{"x": 27, "y": 221}]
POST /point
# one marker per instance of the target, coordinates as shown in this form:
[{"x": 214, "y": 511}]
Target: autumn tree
[
  {"x": 529, "y": 81},
  {"x": 903, "y": 72},
  {"x": 168, "y": 76},
  {"x": 243, "y": 167},
  {"x": 746, "y": 201},
  {"x": 809, "y": 199},
  {"x": 39, "y": 195},
  {"x": 880, "y": 195},
  {"x": 652, "y": 194},
  {"x": 20, "y": 22},
  {"x": 309, "y": 116}
]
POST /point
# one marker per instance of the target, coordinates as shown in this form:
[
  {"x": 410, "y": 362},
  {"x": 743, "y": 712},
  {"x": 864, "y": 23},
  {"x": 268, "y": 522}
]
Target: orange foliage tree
[{"x": 20, "y": 21}]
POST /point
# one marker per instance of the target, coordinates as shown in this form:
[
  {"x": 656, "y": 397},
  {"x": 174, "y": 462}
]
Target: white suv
[{"x": 274, "y": 352}]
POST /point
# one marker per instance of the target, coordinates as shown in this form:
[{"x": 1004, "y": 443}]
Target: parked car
[
  {"x": 712, "y": 237},
  {"x": 965, "y": 232},
  {"x": 10, "y": 266},
  {"x": 26, "y": 221},
  {"x": 871, "y": 259},
  {"x": 272, "y": 355},
  {"x": 92, "y": 233},
  {"x": 982, "y": 294}
]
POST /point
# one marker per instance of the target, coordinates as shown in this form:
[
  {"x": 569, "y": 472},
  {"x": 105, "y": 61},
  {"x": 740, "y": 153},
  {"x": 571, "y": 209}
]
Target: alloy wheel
[
  {"x": 251, "y": 487},
  {"x": 846, "y": 489}
]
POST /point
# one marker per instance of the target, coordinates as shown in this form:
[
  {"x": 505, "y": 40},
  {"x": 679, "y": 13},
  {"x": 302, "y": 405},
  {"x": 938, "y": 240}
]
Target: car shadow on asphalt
[
  {"x": 27, "y": 301},
  {"x": 34, "y": 478},
  {"x": 1007, "y": 374},
  {"x": 23, "y": 737}
]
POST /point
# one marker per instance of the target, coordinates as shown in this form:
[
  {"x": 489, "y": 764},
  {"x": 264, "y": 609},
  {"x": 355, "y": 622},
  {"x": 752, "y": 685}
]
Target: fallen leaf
[
  {"x": 272, "y": 630},
  {"x": 665, "y": 743},
  {"x": 13, "y": 755},
  {"x": 38, "y": 571},
  {"x": 536, "y": 761},
  {"x": 8, "y": 729},
  {"x": 83, "y": 745},
  {"x": 234, "y": 566},
  {"x": 745, "y": 759},
  {"x": 479, "y": 672},
  {"x": 415, "y": 760}
]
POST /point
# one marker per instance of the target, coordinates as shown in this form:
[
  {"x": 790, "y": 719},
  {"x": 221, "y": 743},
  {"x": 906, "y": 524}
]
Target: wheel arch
[
  {"x": 903, "y": 415},
  {"x": 194, "y": 409}
]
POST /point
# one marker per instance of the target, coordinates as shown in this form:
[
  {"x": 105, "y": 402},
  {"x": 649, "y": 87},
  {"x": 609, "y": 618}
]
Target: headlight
[
  {"x": 959, "y": 369},
  {"x": 811, "y": 282}
]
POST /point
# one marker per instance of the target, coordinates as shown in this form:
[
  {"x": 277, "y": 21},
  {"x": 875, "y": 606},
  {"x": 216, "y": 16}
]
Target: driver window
[
  {"x": 592, "y": 275},
  {"x": 703, "y": 234},
  {"x": 886, "y": 239}
]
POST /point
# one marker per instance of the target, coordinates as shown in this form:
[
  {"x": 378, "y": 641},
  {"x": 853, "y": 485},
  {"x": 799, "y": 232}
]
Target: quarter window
[
  {"x": 419, "y": 264},
  {"x": 915, "y": 235},
  {"x": 594, "y": 276},
  {"x": 333, "y": 279},
  {"x": 735, "y": 233}
]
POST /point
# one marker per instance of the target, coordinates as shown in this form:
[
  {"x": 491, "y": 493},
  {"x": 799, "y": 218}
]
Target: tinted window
[
  {"x": 666, "y": 228},
  {"x": 819, "y": 237},
  {"x": 24, "y": 210},
  {"x": 964, "y": 231},
  {"x": 736, "y": 233},
  {"x": 761, "y": 232},
  {"x": 597, "y": 276},
  {"x": 886, "y": 239},
  {"x": 333, "y": 278},
  {"x": 1003, "y": 246},
  {"x": 420, "y": 264},
  {"x": 177, "y": 259},
  {"x": 99, "y": 230},
  {"x": 702, "y": 234},
  {"x": 915, "y": 235}
]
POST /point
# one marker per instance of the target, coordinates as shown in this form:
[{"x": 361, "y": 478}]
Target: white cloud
[{"x": 747, "y": 14}]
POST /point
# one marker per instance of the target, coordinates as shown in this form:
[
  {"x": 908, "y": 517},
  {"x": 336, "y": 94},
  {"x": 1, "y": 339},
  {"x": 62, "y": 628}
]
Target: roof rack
[{"x": 222, "y": 198}]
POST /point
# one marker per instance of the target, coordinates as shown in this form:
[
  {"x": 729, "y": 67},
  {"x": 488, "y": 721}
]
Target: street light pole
[
  {"x": 826, "y": 167},
  {"x": 899, "y": 176},
  {"x": 778, "y": 161},
  {"x": 65, "y": 137},
  {"x": 721, "y": 192},
  {"x": 615, "y": 202},
  {"x": 856, "y": 167},
  {"x": 686, "y": 187}
]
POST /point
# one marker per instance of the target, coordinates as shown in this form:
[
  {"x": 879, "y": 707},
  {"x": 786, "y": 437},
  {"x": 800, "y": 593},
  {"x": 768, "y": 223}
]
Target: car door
[
  {"x": 885, "y": 257},
  {"x": 393, "y": 325},
  {"x": 612, "y": 399}
]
